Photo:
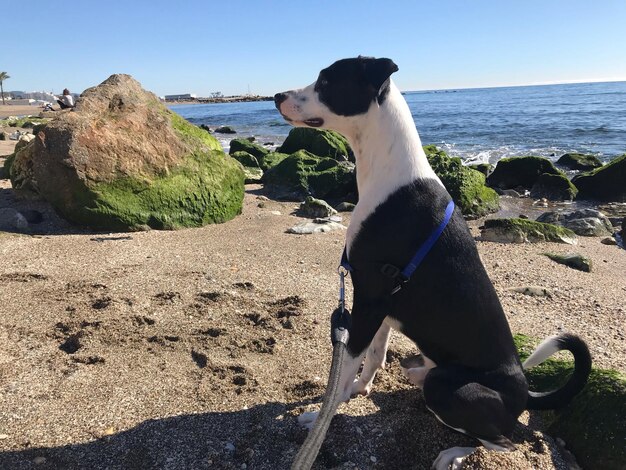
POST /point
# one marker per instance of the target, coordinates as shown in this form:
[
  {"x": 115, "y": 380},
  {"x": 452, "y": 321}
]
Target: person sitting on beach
[{"x": 66, "y": 101}]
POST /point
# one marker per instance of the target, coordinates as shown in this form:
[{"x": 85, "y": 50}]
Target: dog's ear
[{"x": 378, "y": 71}]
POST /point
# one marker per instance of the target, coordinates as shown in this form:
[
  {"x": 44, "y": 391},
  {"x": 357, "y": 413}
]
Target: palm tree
[{"x": 3, "y": 77}]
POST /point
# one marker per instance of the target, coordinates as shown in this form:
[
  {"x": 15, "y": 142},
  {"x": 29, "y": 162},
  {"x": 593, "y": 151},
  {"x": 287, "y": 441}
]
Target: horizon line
[{"x": 568, "y": 82}]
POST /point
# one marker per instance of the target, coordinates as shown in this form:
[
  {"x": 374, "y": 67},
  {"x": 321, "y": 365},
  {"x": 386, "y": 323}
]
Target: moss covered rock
[
  {"x": 484, "y": 168},
  {"x": 525, "y": 231},
  {"x": 252, "y": 171},
  {"x": 572, "y": 260},
  {"x": 554, "y": 188},
  {"x": 319, "y": 142},
  {"x": 466, "y": 186},
  {"x": 522, "y": 172},
  {"x": 244, "y": 145},
  {"x": 271, "y": 160},
  {"x": 303, "y": 173},
  {"x": 26, "y": 122},
  {"x": 123, "y": 161},
  {"x": 579, "y": 161},
  {"x": 607, "y": 183},
  {"x": 593, "y": 425}
]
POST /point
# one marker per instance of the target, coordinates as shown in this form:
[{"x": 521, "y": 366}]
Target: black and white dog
[{"x": 470, "y": 372}]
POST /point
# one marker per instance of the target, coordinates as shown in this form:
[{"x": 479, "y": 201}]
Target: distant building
[{"x": 181, "y": 97}]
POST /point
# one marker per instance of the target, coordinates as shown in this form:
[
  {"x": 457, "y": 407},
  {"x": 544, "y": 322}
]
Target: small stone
[
  {"x": 535, "y": 291},
  {"x": 230, "y": 447},
  {"x": 109, "y": 431},
  {"x": 572, "y": 260},
  {"x": 609, "y": 241},
  {"x": 39, "y": 460},
  {"x": 3, "y": 437},
  {"x": 373, "y": 459}
]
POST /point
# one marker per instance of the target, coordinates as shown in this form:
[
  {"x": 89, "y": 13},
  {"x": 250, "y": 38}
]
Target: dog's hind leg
[
  {"x": 456, "y": 398},
  {"x": 374, "y": 359}
]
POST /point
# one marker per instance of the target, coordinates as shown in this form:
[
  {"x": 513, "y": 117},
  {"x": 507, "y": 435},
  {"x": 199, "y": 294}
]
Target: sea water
[{"x": 478, "y": 125}]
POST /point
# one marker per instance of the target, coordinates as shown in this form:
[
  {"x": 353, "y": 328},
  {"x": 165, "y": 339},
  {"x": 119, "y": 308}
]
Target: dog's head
[{"x": 347, "y": 88}]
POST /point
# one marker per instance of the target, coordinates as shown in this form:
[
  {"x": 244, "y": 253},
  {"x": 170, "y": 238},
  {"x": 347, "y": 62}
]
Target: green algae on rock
[
  {"x": 517, "y": 230},
  {"x": 607, "y": 183},
  {"x": 465, "y": 185},
  {"x": 122, "y": 161},
  {"x": 593, "y": 425},
  {"x": 579, "y": 161},
  {"x": 554, "y": 188},
  {"x": 320, "y": 142},
  {"x": 514, "y": 172},
  {"x": 303, "y": 173},
  {"x": 572, "y": 260},
  {"x": 244, "y": 145}
]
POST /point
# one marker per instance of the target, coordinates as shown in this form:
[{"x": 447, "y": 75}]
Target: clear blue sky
[{"x": 228, "y": 46}]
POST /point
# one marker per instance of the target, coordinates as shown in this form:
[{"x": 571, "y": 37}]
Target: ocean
[{"x": 478, "y": 125}]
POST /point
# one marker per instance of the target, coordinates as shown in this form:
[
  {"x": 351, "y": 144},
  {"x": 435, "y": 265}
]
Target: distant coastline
[{"x": 222, "y": 99}]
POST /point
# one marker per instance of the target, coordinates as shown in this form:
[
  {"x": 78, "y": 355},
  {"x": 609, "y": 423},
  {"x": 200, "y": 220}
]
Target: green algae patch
[
  {"x": 25, "y": 122},
  {"x": 192, "y": 135},
  {"x": 303, "y": 173},
  {"x": 516, "y": 230},
  {"x": 244, "y": 145},
  {"x": 319, "y": 142},
  {"x": 206, "y": 188},
  {"x": 554, "y": 188},
  {"x": 271, "y": 160},
  {"x": 579, "y": 161},
  {"x": 593, "y": 425},
  {"x": 465, "y": 185}
]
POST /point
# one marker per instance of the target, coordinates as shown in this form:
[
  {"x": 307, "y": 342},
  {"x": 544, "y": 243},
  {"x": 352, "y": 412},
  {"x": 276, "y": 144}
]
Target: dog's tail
[{"x": 582, "y": 368}]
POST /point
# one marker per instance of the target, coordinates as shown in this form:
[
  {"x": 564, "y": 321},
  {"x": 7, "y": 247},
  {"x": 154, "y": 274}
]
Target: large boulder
[
  {"x": 584, "y": 222},
  {"x": 607, "y": 183},
  {"x": 302, "y": 174},
  {"x": 122, "y": 161},
  {"x": 511, "y": 173},
  {"x": 320, "y": 142},
  {"x": 579, "y": 161},
  {"x": 593, "y": 424},
  {"x": 554, "y": 188},
  {"x": 517, "y": 230},
  {"x": 465, "y": 185}
]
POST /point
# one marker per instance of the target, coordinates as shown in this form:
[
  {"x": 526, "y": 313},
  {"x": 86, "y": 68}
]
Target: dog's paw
[
  {"x": 451, "y": 459},
  {"x": 360, "y": 388},
  {"x": 307, "y": 419}
]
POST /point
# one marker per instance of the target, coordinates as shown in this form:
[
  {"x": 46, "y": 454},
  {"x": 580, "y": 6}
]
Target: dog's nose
[{"x": 279, "y": 98}]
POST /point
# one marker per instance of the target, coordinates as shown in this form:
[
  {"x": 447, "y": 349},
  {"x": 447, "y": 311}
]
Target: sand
[
  {"x": 198, "y": 348},
  {"x": 19, "y": 110}
]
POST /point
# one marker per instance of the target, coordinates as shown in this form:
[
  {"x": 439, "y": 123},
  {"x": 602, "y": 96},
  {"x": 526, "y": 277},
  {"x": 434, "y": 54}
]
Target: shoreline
[{"x": 225, "y": 99}]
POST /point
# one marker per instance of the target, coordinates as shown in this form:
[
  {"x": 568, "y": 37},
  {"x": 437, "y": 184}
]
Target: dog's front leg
[
  {"x": 374, "y": 360},
  {"x": 366, "y": 322}
]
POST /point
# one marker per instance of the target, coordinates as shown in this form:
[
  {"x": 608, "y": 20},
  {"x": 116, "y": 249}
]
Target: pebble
[
  {"x": 3, "y": 437},
  {"x": 230, "y": 447},
  {"x": 609, "y": 241},
  {"x": 39, "y": 460}
]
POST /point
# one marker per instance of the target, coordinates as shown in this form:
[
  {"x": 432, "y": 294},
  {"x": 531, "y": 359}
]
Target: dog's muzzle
[{"x": 279, "y": 98}]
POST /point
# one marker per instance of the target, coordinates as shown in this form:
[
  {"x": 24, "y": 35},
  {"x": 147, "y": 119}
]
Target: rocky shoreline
[{"x": 153, "y": 338}]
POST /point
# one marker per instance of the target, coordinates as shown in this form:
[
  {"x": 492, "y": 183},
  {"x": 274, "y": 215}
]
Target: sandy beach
[
  {"x": 19, "y": 110},
  {"x": 198, "y": 348}
]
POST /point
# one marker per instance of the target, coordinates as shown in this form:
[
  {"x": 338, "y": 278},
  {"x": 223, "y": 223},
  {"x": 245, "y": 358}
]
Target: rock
[
  {"x": 572, "y": 260},
  {"x": 122, "y": 161},
  {"x": 271, "y": 160},
  {"x": 484, "y": 168},
  {"x": 525, "y": 231},
  {"x": 304, "y": 174},
  {"x": 11, "y": 220},
  {"x": 252, "y": 175},
  {"x": 244, "y": 145},
  {"x": 317, "y": 226},
  {"x": 3, "y": 136},
  {"x": 245, "y": 158},
  {"x": 623, "y": 231},
  {"x": 534, "y": 291},
  {"x": 205, "y": 127},
  {"x": 319, "y": 142},
  {"x": 579, "y": 161},
  {"x": 553, "y": 188},
  {"x": 315, "y": 208},
  {"x": 514, "y": 172},
  {"x": 23, "y": 141},
  {"x": 225, "y": 130},
  {"x": 584, "y": 222},
  {"x": 8, "y": 162},
  {"x": 345, "y": 207},
  {"x": 593, "y": 424},
  {"x": 466, "y": 186},
  {"x": 605, "y": 184},
  {"x": 611, "y": 241}
]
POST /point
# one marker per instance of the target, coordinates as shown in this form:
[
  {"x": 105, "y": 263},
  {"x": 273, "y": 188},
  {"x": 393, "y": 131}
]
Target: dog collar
[{"x": 392, "y": 271}]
